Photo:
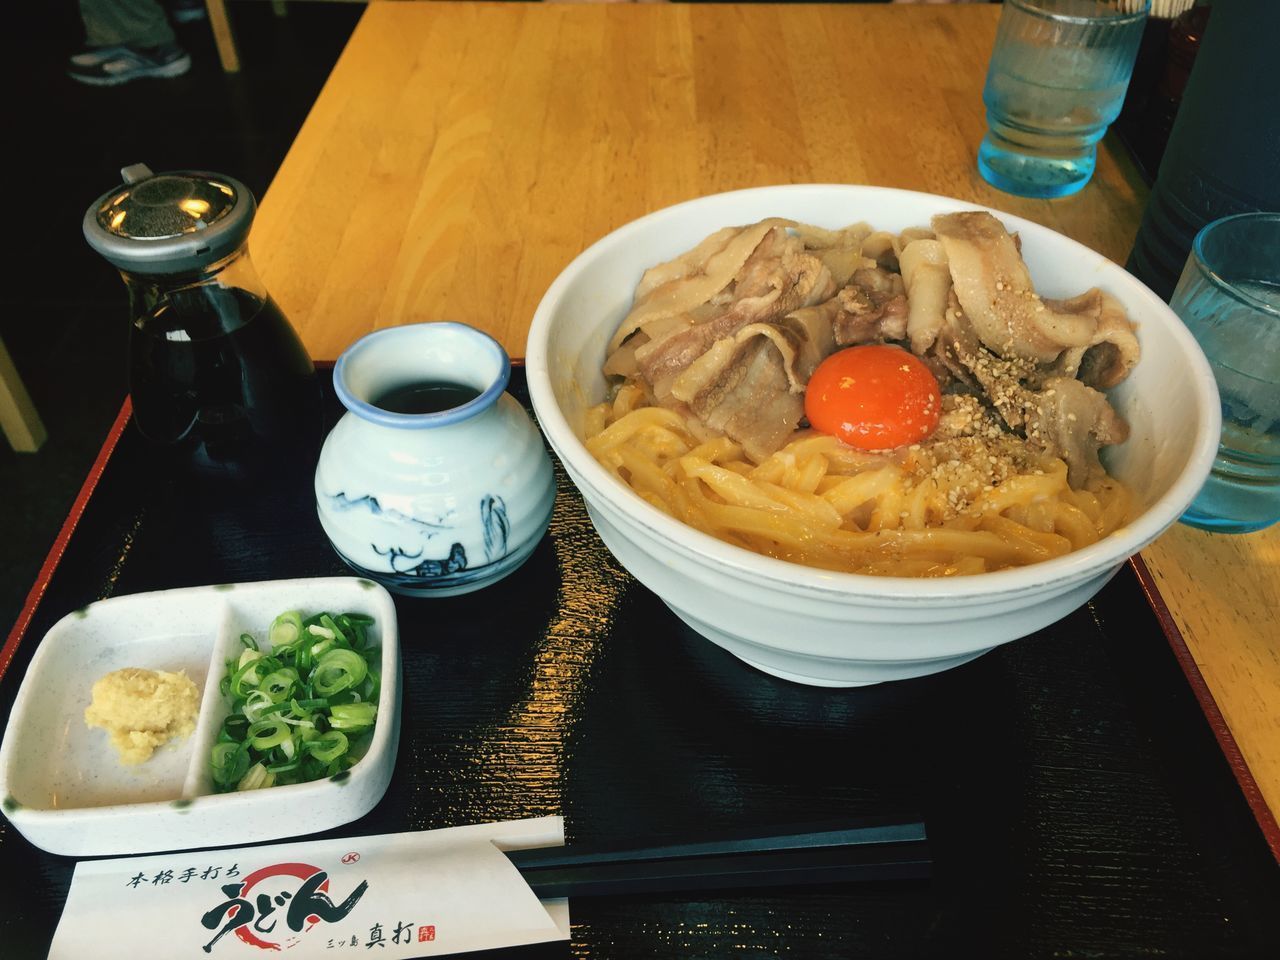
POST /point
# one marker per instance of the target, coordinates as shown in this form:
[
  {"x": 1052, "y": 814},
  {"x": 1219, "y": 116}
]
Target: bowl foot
[
  {"x": 819, "y": 671},
  {"x": 935, "y": 666}
]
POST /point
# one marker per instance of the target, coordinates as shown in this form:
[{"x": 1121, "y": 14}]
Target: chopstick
[{"x": 872, "y": 850}]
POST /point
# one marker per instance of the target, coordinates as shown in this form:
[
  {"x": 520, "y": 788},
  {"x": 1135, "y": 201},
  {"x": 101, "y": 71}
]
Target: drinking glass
[
  {"x": 1229, "y": 297},
  {"x": 1056, "y": 81}
]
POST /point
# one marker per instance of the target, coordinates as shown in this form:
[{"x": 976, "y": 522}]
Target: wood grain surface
[{"x": 462, "y": 154}]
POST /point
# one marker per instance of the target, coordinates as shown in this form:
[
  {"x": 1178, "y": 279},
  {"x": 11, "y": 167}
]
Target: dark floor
[{"x": 63, "y": 312}]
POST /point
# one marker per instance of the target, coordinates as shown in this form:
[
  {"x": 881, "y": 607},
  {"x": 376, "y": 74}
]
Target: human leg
[
  {"x": 127, "y": 40},
  {"x": 134, "y": 23}
]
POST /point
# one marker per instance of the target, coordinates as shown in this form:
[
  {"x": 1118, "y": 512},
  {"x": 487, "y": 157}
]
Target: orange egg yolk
[{"x": 874, "y": 397}]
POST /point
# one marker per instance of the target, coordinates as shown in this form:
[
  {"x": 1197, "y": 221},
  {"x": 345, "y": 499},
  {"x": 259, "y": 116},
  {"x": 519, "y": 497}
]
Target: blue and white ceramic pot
[{"x": 437, "y": 503}]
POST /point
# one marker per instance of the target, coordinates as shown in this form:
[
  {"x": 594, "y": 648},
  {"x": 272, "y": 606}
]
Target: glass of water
[
  {"x": 1057, "y": 79},
  {"x": 1229, "y": 297}
]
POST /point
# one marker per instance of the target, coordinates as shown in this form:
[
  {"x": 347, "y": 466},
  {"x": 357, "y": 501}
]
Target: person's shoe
[
  {"x": 93, "y": 56},
  {"x": 109, "y": 66},
  {"x": 186, "y": 11}
]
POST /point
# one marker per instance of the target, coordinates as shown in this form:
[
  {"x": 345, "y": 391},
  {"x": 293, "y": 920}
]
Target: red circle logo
[{"x": 298, "y": 871}]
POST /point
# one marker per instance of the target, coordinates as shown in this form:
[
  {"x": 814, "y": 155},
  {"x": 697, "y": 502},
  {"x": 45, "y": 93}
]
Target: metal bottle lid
[{"x": 169, "y": 222}]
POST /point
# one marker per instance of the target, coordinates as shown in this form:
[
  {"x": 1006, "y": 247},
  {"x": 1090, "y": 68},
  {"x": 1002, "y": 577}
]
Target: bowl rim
[{"x": 792, "y": 577}]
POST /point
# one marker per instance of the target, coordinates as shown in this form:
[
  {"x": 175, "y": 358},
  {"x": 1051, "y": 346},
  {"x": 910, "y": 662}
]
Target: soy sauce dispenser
[{"x": 217, "y": 375}]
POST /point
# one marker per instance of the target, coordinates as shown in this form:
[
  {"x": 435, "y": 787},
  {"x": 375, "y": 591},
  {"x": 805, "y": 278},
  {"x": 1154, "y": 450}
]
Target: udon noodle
[{"x": 706, "y": 421}]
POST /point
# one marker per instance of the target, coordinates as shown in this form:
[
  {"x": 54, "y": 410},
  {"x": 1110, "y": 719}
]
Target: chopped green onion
[
  {"x": 230, "y": 761},
  {"x": 280, "y": 684},
  {"x": 286, "y": 629},
  {"x": 256, "y": 778},
  {"x": 329, "y": 747},
  {"x": 268, "y": 733},
  {"x": 256, "y": 705},
  {"x": 303, "y": 705},
  {"x": 248, "y": 676},
  {"x": 286, "y": 767},
  {"x": 236, "y": 726},
  {"x": 306, "y": 660},
  {"x": 353, "y": 716},
  {"x": 335, "y": 631},
  {"x": 339, "y": 670}
]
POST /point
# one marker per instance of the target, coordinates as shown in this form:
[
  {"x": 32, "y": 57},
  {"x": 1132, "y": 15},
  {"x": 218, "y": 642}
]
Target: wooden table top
[{"x": 462, "y": 154}]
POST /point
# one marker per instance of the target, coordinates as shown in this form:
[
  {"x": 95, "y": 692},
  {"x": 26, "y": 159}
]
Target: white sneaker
[
  {"x": 95, "y": 55},
  {"x": 109, "y": 66}
]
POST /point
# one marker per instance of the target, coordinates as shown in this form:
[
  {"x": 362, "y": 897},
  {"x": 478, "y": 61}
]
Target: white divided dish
[{"x": 61, "y": 783}]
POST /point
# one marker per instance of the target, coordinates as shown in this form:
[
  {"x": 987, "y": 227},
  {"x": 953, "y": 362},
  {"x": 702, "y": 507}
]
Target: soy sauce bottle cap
[{"x": 167, "y": 223}]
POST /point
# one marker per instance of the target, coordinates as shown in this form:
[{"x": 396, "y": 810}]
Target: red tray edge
[{"x": 59, "y": 547}]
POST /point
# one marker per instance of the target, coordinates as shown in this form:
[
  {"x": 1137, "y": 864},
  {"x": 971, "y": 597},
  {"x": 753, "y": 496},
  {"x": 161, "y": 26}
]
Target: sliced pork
[
  {"x": 995, "y": 291},
  {"x": 873, "y": 308},
  {"x": 1071, "y": 421},
  {"x": 1113, "y": 349},
  {"x": 927, "y": 278},
  {"x": 729, "y": 333},
  {"x": 693, "y": 278},
  {"x": 777, "y": 277}
]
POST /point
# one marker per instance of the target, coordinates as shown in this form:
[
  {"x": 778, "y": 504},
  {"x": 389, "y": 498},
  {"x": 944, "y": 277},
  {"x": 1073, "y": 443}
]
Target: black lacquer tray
[{"x": 1077, "y": 801}]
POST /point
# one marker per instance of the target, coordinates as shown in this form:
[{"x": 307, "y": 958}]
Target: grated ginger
[{"x": 143, "y": 709}]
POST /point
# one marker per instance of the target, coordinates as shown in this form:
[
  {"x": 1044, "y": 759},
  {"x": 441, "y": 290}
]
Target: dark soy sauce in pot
[
  {"x": 219, "y": 376},
  {"x": 425, "y": 396}
]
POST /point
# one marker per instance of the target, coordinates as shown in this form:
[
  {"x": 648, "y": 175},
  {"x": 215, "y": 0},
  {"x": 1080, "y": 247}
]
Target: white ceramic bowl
[
  {"x": 834, "y": 629},
  {"x": 65, "y": 791}
]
